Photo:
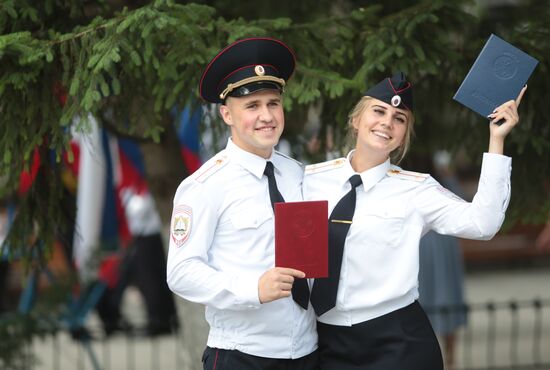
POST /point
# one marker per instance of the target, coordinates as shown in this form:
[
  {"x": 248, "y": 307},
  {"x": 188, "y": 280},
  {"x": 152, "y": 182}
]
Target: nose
[
  {"x": 265, "y": 114},
  {"x": 386, "y": 121}
]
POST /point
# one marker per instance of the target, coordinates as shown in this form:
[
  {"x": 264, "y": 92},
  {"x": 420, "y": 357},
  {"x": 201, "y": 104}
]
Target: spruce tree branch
[{"x": 85, "y": 32}]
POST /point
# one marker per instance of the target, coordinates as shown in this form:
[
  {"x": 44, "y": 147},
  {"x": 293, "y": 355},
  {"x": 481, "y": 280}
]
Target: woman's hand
[{"x": 507, "y": 116}]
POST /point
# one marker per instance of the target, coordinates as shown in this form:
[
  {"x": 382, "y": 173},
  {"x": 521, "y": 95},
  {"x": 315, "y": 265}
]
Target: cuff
[
  {"x": 496, "y": 165},
  {"x": 247, "y": 286}
]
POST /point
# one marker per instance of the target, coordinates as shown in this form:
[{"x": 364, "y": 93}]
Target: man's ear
[{"x": 225, "y": 113}]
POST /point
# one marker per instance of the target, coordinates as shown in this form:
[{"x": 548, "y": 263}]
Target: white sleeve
[
  {"x": 189, "y": 274},
  {"x": 448, "y": 214}
]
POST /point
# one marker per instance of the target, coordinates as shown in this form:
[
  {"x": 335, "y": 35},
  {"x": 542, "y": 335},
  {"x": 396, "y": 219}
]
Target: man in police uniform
[{"x": 222, "y": 230}]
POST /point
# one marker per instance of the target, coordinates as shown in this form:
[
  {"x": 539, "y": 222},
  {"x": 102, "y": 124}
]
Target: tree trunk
[{"x": 164, "y": 169}]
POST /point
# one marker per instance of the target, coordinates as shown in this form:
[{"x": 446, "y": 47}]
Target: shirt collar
[
  {"x": 369, "y": 177},
  {"x": 251, "y": 162}
]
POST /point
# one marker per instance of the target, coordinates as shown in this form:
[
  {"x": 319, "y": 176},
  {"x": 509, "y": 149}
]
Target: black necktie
[
  {"x": 323, "y": 293},
  {"x": 300, "y": 289}
]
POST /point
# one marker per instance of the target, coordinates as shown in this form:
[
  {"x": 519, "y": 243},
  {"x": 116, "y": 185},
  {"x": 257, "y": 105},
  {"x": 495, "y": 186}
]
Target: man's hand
[{"x": 276, "y": 283}]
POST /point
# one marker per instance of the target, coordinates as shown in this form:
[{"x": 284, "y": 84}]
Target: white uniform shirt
[
  {"x": 394, "y": 209},
  {"x": 141, "y": 213},
  {"x": 222, "y": 241}
]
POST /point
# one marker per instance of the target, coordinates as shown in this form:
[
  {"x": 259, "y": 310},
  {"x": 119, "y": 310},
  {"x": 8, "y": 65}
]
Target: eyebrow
[
  {"x": 258, "y": 101},
  {"x": 252, "y": 102},
  {"x": 385, "y": 108},
  {"x": 379, "y": 106}
]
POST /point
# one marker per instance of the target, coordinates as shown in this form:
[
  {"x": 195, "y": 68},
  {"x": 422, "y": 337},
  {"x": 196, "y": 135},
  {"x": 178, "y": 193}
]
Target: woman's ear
[{"x": 355, "y": 124}]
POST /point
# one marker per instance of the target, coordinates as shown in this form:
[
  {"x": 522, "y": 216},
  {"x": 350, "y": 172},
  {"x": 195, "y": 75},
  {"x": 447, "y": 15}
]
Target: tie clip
[{"x": 341, "y": 221}]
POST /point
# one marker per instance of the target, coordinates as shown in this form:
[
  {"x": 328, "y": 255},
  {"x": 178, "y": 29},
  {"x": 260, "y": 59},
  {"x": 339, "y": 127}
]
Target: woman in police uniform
[{"x": 368, "y": 314}]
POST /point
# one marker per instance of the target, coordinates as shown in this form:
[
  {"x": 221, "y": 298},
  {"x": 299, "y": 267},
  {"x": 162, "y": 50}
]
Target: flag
[{"x": 187, "y": 127}]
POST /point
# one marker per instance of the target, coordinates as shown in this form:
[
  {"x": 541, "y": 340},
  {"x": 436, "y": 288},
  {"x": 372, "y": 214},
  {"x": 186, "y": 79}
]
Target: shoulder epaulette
[
  {"x": 292, "y": 159},
  {"x": 211, "y": 167},
  {"x": 325, "y": 166},
  {"x": 407, "y": 175}
]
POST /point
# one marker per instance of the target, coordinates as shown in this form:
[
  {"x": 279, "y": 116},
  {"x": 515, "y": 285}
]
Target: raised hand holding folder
[
  {"x": 301, "y": 237},
  {"x": 497, "y": 76}
]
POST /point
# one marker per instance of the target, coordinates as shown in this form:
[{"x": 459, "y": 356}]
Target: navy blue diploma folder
[{"x": 498, "y": 75}]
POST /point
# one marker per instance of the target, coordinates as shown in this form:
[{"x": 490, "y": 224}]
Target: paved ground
[{"x": 184, "y": 352}]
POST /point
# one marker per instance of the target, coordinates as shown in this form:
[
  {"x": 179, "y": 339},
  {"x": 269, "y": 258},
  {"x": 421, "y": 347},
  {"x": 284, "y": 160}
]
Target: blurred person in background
[
  {"x": 441, "y": 270},
  {"x": 543, "y": 239},
  {"x": 4, "y": 264}
]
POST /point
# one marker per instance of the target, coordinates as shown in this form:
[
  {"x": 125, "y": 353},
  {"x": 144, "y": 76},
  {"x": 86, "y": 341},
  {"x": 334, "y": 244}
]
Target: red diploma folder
[{"x": 301, "y": 237}]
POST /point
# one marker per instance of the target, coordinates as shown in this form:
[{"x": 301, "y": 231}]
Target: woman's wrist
[{"x": 496, "y": 145}]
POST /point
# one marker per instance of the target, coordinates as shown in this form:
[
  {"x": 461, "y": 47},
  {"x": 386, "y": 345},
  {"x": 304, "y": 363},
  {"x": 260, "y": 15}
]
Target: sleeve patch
[{"x": 180, "y": 226}]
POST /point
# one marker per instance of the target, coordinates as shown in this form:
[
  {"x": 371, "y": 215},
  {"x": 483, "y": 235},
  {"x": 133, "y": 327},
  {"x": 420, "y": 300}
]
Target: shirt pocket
[
  {"x": 384, "y": 227},
  {"x": 250, "y": 218}
]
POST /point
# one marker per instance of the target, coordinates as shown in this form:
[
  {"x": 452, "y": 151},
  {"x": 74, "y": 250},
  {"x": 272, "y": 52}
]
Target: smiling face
[
  {"x": 256, "y": 120},
  {"x": 381, "y": 128}
]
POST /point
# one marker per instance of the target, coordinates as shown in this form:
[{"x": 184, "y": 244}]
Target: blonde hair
[{"x": 398, "y": 154}]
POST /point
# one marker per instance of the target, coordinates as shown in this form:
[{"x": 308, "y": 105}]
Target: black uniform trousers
[
  {"x": 223, "y": 359},
  {"x": 400, "y": 340},
  {"x": 148, "y": 273}
]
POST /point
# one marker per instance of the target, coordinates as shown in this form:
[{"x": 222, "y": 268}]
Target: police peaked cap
[
  {"x": 247, "y": 66},
  {"x": 396, "y": 91}
]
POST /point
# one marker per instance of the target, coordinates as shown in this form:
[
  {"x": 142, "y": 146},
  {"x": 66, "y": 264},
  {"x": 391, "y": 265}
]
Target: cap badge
[
  {"x": 396, "y": 100},
  {"x": 260, "y": 71}
]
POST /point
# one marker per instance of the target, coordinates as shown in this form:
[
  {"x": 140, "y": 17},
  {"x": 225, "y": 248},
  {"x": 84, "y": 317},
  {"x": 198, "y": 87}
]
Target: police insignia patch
[{"x": 181, "y": 224}]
